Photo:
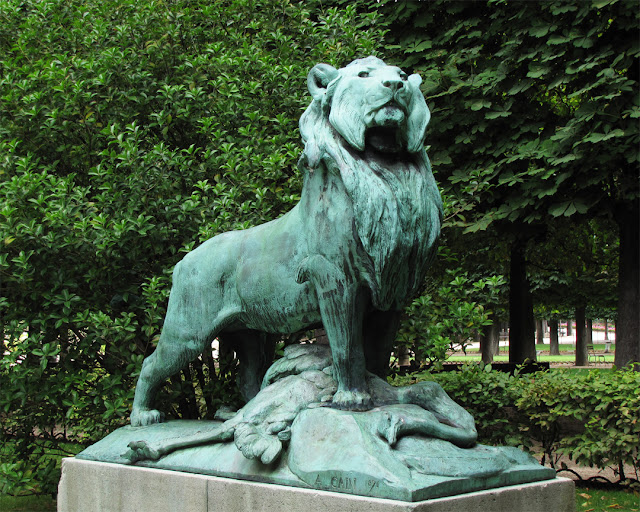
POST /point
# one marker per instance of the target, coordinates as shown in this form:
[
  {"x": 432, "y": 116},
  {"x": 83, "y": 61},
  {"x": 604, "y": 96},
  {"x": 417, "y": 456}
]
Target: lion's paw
[
  {"x": 144, "y": 417},
  {"x": 348, "y": 400}
]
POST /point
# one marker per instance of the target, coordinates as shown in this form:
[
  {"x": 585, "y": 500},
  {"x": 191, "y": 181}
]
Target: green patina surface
[
  {"x": 369, "y": 467},
  {"x": 347, "y": 257}
]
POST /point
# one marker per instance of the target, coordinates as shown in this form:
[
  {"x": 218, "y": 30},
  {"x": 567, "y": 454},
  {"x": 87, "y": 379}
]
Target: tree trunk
[
  {"x": 403, "y": 355},
  {"x": 521, "y": 332},
  {"x": 554, "y": 345},
  {"x": 606, "y": 329},
  {"x": 569, "y": 329},
  {"x": 539, "y": 332},
  {"x": 490, "y": 342},
  {"x": 628, "y": 322},
  {"x": 582, "y": 355}
]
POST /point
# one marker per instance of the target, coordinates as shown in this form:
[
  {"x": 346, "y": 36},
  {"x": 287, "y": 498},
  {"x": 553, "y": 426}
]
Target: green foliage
[
  {"x": 531, "y": 119},
  {"x": 129, "y": 133},
  {"x": 449, "y": 315},
  {"x": 584, "y": 272},
  {"x": 592, "y": 417},
  {"x": 535, "y": 110}
]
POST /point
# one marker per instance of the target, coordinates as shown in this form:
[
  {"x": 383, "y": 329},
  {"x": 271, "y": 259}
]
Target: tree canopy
[{"x": 535, "y": 120}]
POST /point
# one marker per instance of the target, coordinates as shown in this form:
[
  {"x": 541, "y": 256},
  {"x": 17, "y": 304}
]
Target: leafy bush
[
  {"x": 130, "y": 132},
  {"x": 607, "y": 403},
  {"x": 592, "y": 417},
  {"x": 448, "y": 315}
]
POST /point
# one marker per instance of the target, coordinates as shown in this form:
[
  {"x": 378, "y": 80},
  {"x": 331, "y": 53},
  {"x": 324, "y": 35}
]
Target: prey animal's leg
[
  {"x": 405, "y": 419},
  {"x": 431, "y": 396},
  {"x": 147, "y": 450}
]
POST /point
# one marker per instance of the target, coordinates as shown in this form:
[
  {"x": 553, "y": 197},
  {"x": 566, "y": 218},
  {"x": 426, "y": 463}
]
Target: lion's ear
[
  {"x": 319, "y": 78},
  {"x": 419, "y": 117}
]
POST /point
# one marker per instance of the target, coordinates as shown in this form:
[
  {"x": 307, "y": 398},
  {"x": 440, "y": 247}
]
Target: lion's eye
[
  {"x": 363, "y": 74},
  {"x": 404, "y": 76}
]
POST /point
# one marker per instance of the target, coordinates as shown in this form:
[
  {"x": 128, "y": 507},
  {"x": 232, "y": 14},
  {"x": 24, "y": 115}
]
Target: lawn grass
[
  {"x": 587, "y": 500},
  {"x": 567, "y": 354},
  {"x": 562, "y": 358},
  {"x": 27, "y": 504},
  {"x": 598, "y": 500}
]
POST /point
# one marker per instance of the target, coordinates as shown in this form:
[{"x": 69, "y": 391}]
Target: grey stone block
[{"x": 88, "y": 486}]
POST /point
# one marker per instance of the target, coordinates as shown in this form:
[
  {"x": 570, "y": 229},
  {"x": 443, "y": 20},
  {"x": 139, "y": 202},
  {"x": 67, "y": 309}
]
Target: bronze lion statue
[{"x": 348, "y": 256}]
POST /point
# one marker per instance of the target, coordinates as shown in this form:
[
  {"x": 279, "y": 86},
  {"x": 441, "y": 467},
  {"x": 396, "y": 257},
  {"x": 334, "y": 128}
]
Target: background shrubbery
[
  {"x": 129, "y": 133},
  {"x": 592, "y": 417}
]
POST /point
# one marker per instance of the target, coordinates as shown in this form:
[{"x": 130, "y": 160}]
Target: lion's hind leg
[
  {"x": 170, "y": 356},
  {"x": 178, "y": 346},
  {"x": 255, "y": 351}
]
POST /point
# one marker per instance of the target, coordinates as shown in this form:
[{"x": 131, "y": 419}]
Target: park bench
[{"x": 597, "y": 358}]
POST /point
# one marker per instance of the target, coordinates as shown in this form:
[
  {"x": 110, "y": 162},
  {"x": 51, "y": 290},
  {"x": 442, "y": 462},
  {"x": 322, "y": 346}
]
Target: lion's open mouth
[
  {"x": 384, "y": 134},
  {"x": 384, "y": 138}
]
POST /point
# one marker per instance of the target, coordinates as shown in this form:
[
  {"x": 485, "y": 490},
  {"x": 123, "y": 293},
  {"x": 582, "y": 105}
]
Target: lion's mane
[{"x": 396, "y": 204}]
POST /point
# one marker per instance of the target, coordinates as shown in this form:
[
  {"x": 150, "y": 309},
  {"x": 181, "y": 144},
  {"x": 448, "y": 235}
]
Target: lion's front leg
[
  {"x": 342, "y": 317},
  {"x": 342, "y": 304}
]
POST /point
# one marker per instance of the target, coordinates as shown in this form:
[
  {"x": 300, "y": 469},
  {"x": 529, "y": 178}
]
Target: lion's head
[{"x": 370, "y": 104}]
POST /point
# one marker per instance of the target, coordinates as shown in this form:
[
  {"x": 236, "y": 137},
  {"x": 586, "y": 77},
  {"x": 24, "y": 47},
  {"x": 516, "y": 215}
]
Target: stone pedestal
[{"x": 88, "y": 486}]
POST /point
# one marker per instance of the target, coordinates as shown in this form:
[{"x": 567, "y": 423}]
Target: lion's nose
[{"x": 393, "y": 84}]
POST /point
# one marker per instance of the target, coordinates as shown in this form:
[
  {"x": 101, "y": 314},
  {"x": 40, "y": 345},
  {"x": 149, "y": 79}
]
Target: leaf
[
  {"x": 480, "y": 104},
  {"x": 497, "y": 113},
  {"x": 557, "y": 81},
  {"x": 557, "y": 39},
  {"x": 633, "y": 113},
  {"x": 539, "y": 30},
  {"x": 583, "y": 42},
  {"x": 559, "y": 209},
  {"x": 594, "y": 137},
  {"x": 615, "y": 133},
  {"x": 599, "y": 4},
  {"x": 537, "y": 71},
  {"x": 522, "y": 85},
  {"x": 569, "y": 157}
]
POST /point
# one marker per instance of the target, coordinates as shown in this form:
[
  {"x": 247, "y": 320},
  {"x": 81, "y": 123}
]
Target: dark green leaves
[{"x": 131, "y": 131}]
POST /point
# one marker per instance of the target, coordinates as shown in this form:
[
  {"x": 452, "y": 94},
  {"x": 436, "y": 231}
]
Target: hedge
[{"x": 591, "y": 417}]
